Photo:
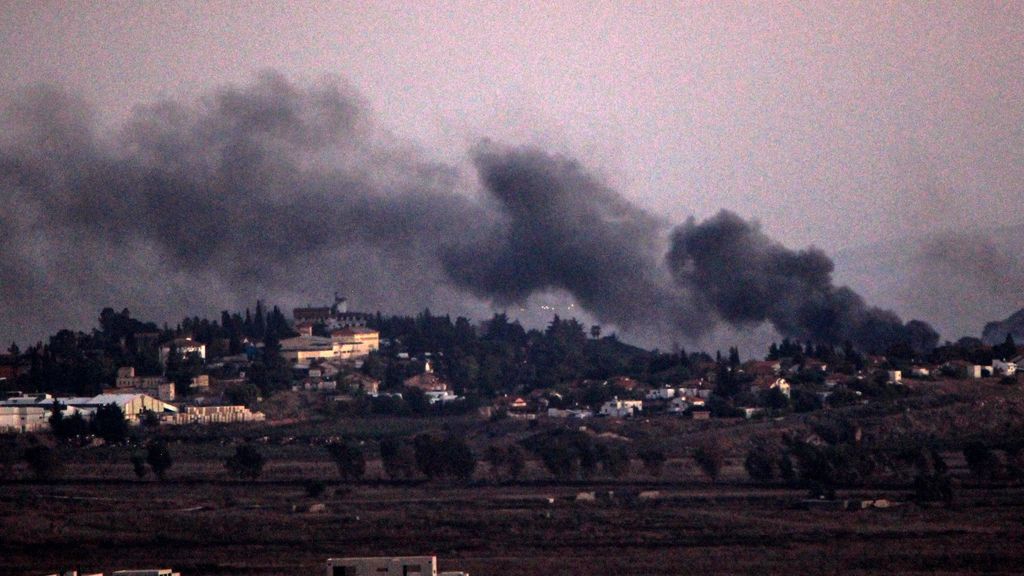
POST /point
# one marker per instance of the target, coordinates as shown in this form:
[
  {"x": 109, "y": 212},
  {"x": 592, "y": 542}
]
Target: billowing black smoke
[
  {"x": 264, "y": 191},
  {"x": 560, "y": 228},
  {"x": 748, "y": 278},
  {"x": 290, "y": 192}
]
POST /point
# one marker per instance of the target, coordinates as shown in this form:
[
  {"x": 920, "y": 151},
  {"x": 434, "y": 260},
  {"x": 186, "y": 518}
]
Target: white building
[
  {"x": 442, "y": 396},
  {"x": 578, "y": 414},
  {"x": 345, "y": 344},
  {"x": 21, "y": 419},
  {"x": 397, "y": 566},
  {"x": 31, "y": 413},
  {"x": 184, "y": 347},
  {"x": 681, "y": 404},
  {"x": 621, "y": 408},
  {"x": 133, "y": 405},
  {"x": 661, "y": 393},
  {"x": 126, "y": 378},
  {"x": 1004, "y": 368}
]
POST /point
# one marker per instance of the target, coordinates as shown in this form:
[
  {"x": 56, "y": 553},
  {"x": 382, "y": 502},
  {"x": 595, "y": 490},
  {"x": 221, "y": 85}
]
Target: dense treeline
[
  {"x": 501, "y": 356},
  {"x": 82, "y": 363}
]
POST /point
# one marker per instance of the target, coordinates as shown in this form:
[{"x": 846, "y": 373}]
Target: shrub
[
  {"x": 653, "y": 460},
  {"x": 314, "y": 488},
  {"x": 397, "y": 458},
  {"x": 982, "y": 461},
  {"x": 349, "y": 459},
  {"x": 760, "y": 464},
  {"x": 515, "y": 462},
  {"x": 448, "y": 457},
  {"x": 109, "y": 423},
  {"x": 43, "y": 461},
  {"x": 614, "y": 460},
  {"x": 159, "y": 458},
  {"x": 139, "y": 465},
  {"x": 709, "y": 457},
  {"x": 246, "y": 463}
]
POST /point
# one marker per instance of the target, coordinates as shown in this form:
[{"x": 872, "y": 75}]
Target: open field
[
  {"x": 98, "y": 516},
  {"x": 219, "y": 526}
]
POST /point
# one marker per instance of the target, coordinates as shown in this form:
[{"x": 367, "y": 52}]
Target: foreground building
[
  {"x": 387, "y": 566},
  {"x": 28, "y": 413}
]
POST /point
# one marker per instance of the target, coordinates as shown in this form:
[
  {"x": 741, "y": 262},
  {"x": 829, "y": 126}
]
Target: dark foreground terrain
[
  {"x": 264, "y": 528},
  {"x": 97, "y": 516}
]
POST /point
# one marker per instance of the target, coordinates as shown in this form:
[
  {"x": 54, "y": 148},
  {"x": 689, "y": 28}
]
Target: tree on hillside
[
  {"x": 159, "y": 458},
  {"x": 614, "y": 460},
  {"x": 495, "y": 456},
  {"x": 982, "y": 461},
  {"x": 505, "y": 461},
  {"x": 760, "y": 464},
  {"x": 138, "y": 461},
  {"x": 397, "y": 458},
  {"x": 44, "y": 461},
  {"x": 447, "y": 457},
  {"x": 653, "y": 461},
  {"x": 515, "y": 462},
  {"x": 349, "y": 459},
  {"x": 110, "y": 424},
  {"x": 710, "y": 457},
  {"x": 1006, "y": 350},
  {"x": 246, "y": 463}
]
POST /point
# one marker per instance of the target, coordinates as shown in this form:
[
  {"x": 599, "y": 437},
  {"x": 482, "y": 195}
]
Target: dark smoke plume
[
  {"x": 287, "y": 192},
  {"x": 268, "y": 190},
  {"x": 747, "y": 278},
  {"x": 560, "y": 228}
]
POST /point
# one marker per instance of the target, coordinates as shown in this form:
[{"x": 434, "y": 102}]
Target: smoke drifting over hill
[
  {"x": 288, "y": 192},
  {"x": 748, "y": 278}
]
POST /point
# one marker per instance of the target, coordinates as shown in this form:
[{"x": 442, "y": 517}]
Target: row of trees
[
  {"x": 83, "y": 363},
  {"x": 501, "y": 356}
]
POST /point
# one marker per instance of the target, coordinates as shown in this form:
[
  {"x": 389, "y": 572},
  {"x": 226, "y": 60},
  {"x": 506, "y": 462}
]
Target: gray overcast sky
[{"x": 834, "y": 123}]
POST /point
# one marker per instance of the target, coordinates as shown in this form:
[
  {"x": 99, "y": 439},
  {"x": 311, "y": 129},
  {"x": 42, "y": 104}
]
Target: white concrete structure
[
  {"x": 1004, "y": 368},
  {"x": 21, "y": 419},
  {"x": 441, "y": 396},
  {"x": 570, "y": 413},
  {"x": 184, "y": 347},
  {"x": 126, "y": 378},
  {"x": 621, "y": 408},
  {"x": 133, "y": 405},
  {"x": 346, "y": 344},
  {"x": 397, "y": 566},
  {"x": 661, "y": 393},
  {"x": 681, "y": 404},
  {"x": 214, "y": 415}
]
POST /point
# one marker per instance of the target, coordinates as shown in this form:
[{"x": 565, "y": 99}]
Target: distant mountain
[
  {"x": 955, "y": 280},
  {"x": 995, "y": 332}
]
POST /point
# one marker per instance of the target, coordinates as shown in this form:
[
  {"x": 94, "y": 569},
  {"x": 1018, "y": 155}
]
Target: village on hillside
[{"x": 363, "y": 364}]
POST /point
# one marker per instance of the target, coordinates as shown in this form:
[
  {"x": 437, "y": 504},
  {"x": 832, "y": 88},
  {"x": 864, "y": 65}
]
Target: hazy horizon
[{"x": 832, "y": 125}]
